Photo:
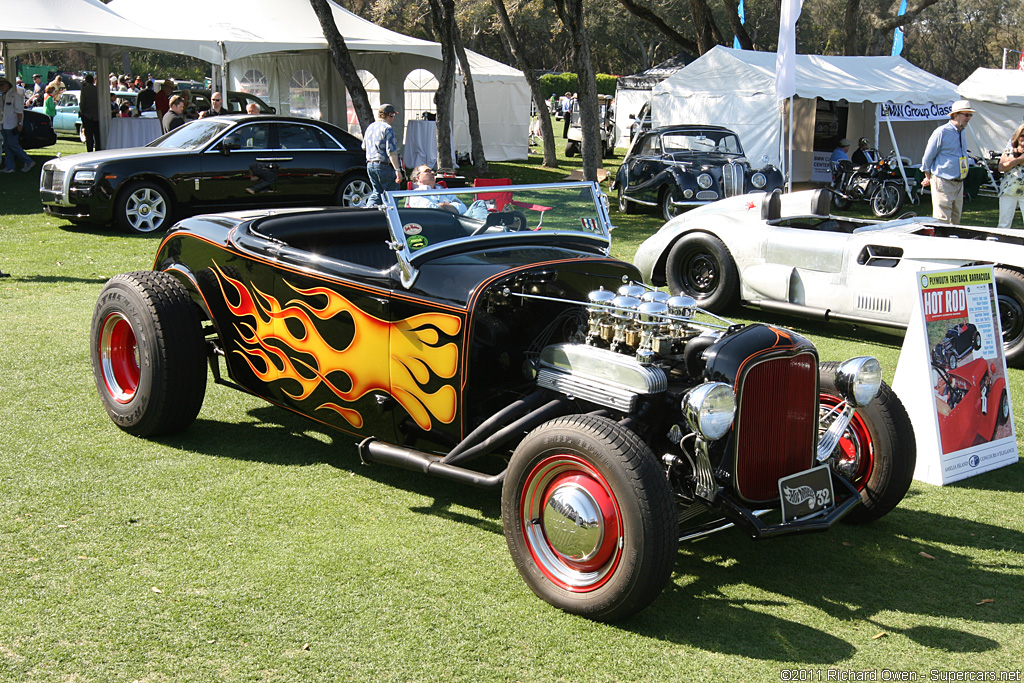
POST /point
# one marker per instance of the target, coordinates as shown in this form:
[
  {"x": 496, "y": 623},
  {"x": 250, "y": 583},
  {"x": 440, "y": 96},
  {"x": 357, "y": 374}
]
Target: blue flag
[
  {"x": 736, "y": 39},
  {"x": 897, "y": 34}
]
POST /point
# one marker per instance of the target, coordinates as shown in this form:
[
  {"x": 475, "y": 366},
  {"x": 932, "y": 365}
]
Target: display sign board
[
  {"x": 913, "y": 111},
  {"x": 821, "y": 170},
  {"x": 952, "y": 377}
]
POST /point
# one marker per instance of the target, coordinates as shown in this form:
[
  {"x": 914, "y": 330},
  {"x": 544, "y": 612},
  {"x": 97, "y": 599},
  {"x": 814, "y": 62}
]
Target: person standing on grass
[
  {"x": 11, "y": 124},
  {"x": 89, "y": 109},
  {"x": 945, "y": 164},
  {"x": 1011, "y": 185},
  {"x": 382, "y": 162}
]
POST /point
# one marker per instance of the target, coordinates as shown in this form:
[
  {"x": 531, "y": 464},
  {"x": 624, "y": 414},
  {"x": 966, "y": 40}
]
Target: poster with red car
[{"x": 952, "y": 377}]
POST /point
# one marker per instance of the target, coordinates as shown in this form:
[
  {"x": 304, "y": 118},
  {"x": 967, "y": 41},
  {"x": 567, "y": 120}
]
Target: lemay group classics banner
[{"x": 951, "y": 377}]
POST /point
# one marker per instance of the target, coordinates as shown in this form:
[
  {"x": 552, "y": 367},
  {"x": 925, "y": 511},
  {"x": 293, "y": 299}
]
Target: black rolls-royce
[
  {"x": 674, "y": 167},
  {"x": 214, "y": 164}
]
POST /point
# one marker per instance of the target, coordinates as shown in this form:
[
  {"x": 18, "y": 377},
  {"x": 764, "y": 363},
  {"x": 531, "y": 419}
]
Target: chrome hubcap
[{"x": 571, "y": 523}]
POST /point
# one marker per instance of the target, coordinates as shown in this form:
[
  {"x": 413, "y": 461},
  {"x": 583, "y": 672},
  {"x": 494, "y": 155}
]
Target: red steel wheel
[
  {"x": 878, "y": 451},
  {"x": 571, "y": 522},
  {"x": 589, "y": 518},
  {"x": 119, "y": 357}
]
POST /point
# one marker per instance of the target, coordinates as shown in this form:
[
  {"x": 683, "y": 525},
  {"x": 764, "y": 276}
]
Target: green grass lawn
[{"x": 255, "y": 546}]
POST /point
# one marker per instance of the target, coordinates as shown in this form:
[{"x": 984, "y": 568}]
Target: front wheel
[
  {"x": 669, "y": 208},
  {"x": 354, "y": 191},
  {"x": 589, "y": 518},
  {"x": 148, "y": 353},
  {"x": 143, "y": 207},
  {"x": 572, "y": 148},
  {"x": 877, "y": 453},
  {"x": 701, "y": 266},
  {"x": 887, "y": 200},
  {"x": 840, "y": 202}
]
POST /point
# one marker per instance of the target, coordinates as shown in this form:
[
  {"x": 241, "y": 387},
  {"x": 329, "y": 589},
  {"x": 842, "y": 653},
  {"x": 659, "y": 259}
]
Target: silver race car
[{"x": 787, "y": 253}]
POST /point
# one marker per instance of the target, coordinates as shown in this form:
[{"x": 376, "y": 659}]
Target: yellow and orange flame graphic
[{"x": 417, "y": 354}]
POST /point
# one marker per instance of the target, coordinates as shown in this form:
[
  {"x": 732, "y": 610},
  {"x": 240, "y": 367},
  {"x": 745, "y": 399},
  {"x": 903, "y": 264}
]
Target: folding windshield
[
  {"x": 703, "y": 141},
  {"x": 443, "y": 220}
]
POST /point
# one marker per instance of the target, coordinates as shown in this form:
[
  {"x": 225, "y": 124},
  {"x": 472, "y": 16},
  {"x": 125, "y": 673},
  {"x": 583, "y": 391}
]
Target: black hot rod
[{"x": 625, "y": 419}]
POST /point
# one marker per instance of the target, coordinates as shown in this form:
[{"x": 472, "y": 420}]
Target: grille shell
[{"x": 776, "y": 429}]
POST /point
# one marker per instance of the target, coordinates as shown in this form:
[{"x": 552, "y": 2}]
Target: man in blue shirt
[
  {"x": 841, "y": 153},
  {"x": 382, "y": 162},
  {"x": 945, "y": 164}
]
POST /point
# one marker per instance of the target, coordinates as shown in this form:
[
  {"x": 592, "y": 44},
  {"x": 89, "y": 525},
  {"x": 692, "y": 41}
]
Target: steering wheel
[{"x": 510, "y": 221}]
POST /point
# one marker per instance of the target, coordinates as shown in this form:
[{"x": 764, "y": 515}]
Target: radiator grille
[
  {"x": 52, "y": 180},
  {"x": 777, "y": 424},
  {"x": 732, "y": 179}
]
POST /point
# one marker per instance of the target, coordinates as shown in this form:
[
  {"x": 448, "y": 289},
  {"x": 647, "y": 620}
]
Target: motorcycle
[{"x": 879, "y": 183}]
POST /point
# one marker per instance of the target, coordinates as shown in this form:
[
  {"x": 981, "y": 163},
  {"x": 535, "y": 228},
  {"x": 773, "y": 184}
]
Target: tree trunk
[
  {"x": 570, "y": 12},
  {"x": 343, "y": 63},
  {"x": 732, "y": 9},
  {"x": 476, "y": 141},
  {"x": 446, "y": 83},
  {"x": 523, "y": 62}
]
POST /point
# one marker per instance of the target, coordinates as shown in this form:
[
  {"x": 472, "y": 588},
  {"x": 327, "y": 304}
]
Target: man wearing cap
[
  {"x": 841, "y": 152},
  {"x": 382, "y": 162},
  {"x": 12, "y": 112},
  {"x": 945, "y": 164}
]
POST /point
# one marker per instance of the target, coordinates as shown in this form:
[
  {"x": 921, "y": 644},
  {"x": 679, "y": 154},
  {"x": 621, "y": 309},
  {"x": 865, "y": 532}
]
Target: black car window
[
  {"x": 650, "y": 145},
  {"x": 297, "y": 136},
  {"x": 250, "y": 136}
]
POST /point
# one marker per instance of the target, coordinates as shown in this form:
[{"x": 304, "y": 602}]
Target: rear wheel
[
  {"x": 572, "y": 148},
  {"x": 589, "y": 518},
  {"x": 148, "y": 353},
  {"x": 877, "y": 453},
  {"x": 143, "y": 207},
  {"x": 354, "y": 191},
  {"x": 888, "y": 200},
  {"x": 625, "y": 206},
  {"x": 700, "y": 265},
  {"x": 1010, "y": 287}
]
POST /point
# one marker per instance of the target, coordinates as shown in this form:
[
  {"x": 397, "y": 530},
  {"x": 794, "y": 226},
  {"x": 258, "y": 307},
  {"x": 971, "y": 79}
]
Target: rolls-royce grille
[
  {"x": 732, "y": 179},
  {"x": 776, "y": 424},
  {"x": 53, "y": 180}
]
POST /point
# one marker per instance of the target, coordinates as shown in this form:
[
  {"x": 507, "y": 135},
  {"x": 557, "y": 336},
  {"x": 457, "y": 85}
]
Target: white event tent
[
  {"x": 87, "y": 25},
  {"x": 997, "y": 96},
  {"x": 632, "y": 92},
  {"x": 736, "y": 89},
  {"x": 280, "y": 43}
]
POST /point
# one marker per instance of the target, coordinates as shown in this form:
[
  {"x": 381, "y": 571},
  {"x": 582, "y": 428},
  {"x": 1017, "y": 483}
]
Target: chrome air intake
[{"x": 598, "y": 375}]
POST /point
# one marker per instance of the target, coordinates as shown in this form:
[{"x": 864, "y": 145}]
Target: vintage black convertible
[
  {"x": 674, "y": 167},
  {"x": 212, "y": 164},
  {"x": 504, "y": 348}
]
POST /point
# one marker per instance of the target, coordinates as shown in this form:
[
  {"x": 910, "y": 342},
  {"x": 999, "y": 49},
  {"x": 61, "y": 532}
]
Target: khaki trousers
[{"x": 947, "y": 199}]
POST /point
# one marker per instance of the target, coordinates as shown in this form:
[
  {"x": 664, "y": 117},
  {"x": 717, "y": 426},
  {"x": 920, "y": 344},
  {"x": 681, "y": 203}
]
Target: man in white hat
[{"x": 945, "y": 164}]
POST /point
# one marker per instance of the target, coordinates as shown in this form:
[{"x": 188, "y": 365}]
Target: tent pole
[
  {"x": 899, "y": 157},
  {"x": 223, "y": 68},
  {"x": 789, "y": 163}
]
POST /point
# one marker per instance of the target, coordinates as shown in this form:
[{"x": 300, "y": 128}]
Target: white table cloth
[{"x": 132, "y": 132}]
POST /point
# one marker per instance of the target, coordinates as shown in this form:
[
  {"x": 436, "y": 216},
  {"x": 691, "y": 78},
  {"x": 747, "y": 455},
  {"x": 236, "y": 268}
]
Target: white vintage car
[{"x": 786, "y": 253}]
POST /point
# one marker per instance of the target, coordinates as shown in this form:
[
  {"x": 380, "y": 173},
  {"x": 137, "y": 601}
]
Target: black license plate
[{"x": 806, "y": 493}]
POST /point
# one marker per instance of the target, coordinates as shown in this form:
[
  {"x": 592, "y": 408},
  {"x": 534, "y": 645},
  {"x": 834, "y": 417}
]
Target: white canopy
[
  {"x": 736, "y": 89},
  {"x": 280, "y": 38},
  {"x": 48, "y": 24},
  {"x": 997, "y": 96}
]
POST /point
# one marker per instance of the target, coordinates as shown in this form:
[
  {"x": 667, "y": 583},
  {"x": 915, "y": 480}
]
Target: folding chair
[{"x": 502, "y": 199}]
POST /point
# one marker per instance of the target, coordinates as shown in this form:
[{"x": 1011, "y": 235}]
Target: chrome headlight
[
  {"x": 709, "y": 409},
  {"x": 859, "y": 379},
  {"x": 705, "y": 181},
  {"x": 687, "y": 193},
  {"x": 84, "y": 176},
  {"x": 758, "y": 180}
]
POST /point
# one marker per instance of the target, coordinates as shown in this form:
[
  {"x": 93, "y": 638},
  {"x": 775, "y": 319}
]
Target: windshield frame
[{"x": 595, "y": 229}]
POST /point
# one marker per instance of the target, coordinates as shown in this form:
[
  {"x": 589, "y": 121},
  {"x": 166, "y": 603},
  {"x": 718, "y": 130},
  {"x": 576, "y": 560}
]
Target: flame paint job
[{"x": 421, "y": 351}]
